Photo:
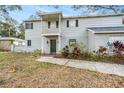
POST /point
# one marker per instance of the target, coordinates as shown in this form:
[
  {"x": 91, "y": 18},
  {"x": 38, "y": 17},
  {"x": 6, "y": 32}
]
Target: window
[
  {"x": 28, "y": 42},
  {"x": 67, "y": 23},
  {"x": 49, "y": 23},
  {"x": 29, "y": 25},
  {"x": 76, "y": 23},
  {"x": 57, "y": 24},
  {"x": 72, "y": 42}
]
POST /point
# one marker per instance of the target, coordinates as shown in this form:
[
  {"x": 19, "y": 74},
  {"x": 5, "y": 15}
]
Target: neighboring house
[
  {"x": 11, "y": 44},
  {"x": 54, "y": 31}
]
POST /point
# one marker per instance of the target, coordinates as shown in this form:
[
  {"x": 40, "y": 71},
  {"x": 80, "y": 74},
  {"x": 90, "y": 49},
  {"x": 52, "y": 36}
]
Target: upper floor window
[
  {"x": 28, "y": 42},
  {"x": 29, "y": 25},
  {"x": 67, "y": 23},
  {"x": 57, "y": 24},
  {"x": 76, "y": 23},
  {"x": 49, "y": 24}
]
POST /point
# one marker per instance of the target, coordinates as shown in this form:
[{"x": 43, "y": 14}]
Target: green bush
[
  {"x": 100, "y": 56},
  {"x": 65, "y": 52},
  {"x": 36, "y": 52}
]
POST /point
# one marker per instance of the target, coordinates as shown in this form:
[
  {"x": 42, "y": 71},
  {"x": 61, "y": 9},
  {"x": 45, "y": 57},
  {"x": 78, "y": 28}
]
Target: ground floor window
[
  {"x": 72, "y": 42},
  {"x": 28, "y": 42}
]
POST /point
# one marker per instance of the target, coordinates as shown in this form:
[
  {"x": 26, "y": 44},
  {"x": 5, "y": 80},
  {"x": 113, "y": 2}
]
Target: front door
[{"x": 53, "y": 46}]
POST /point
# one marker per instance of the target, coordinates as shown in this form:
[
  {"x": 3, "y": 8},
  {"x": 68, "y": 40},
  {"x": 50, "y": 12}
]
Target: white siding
[
  {"x": 80, "y": 32},
  {"x": 101, "y": 40},
  {"x": 52, "y": 28},
  {"x": 47, "y": 45},
  {"x": 91, "y": 41},
  {"x": 35, "y": 36},
  {"x": 72, "y": 32}
]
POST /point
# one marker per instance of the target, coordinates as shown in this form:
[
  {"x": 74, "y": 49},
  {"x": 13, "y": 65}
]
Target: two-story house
[{"x": 54, "y": 31}]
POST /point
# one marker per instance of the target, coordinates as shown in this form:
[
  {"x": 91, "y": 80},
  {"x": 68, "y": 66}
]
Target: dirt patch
[{"x": 30, "y": 73}]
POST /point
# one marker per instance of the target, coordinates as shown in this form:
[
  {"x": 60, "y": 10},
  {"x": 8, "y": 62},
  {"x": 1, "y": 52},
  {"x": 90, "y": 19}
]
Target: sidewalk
[{"x": 116, "y": 69}]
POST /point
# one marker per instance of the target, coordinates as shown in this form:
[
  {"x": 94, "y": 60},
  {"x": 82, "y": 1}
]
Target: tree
[
  {"x": 96, "y": 9},
  {"x": 21, "y": 33},
  {"x": 8, "y": 28},
  {"x": 7, "y": 23},
  {"x": 35, "y": 16},
  {"x": 100, "y": 9},
  {"x": 5, "y": 9}
]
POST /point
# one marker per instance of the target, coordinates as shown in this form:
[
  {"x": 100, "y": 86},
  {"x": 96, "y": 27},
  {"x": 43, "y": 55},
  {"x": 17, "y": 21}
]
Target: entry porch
[{"x": 51, "y": 44}]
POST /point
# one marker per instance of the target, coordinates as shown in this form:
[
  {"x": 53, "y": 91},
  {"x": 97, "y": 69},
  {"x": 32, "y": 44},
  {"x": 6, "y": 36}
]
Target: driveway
[{"x": 116, "y": 69}]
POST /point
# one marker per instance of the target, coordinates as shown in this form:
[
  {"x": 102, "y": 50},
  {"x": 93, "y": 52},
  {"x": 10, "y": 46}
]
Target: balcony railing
[{"x": 50, "y": 31}]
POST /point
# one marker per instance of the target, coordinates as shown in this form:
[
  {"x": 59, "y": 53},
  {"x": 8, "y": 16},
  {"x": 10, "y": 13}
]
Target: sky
[{"x": 28, "y": 10}]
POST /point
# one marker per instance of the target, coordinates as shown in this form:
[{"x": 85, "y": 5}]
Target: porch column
[
  {"x": 42, "y": 38},
  {"x": 59, "y": 44},
  {"x": 59, "y": 37}
]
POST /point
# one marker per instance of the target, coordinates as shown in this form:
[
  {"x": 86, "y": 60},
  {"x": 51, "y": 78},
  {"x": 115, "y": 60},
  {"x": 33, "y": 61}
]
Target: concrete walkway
[{"x": 93, "y": 66}]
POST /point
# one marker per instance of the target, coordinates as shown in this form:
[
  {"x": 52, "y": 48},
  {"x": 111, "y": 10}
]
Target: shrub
[
  {"x": 80, "y": 45},
  {"x": 119, "y": 48},
  {"x": 65, "y": 52},
  {"x": 36, "y": 52},
  {"x": 76, "y": 52},
  {"x": 102, "y": 51}
]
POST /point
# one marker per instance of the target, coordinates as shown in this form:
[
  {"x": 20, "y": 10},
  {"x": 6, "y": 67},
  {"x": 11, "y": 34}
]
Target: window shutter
[
  {"x": 76, "y": 23},
  {"x": 67, "y": 23},
  {"x": 57, "y": 24},
  {"x": 49, "y": 23},
  {"x": 28, "y": 42}
]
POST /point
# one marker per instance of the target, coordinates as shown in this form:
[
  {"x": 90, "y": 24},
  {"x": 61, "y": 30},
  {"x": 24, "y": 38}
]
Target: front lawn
[{"x": 29, "y": 73}]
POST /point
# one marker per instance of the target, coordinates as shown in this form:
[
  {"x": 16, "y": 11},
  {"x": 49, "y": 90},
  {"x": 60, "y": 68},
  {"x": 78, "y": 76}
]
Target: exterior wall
[
  {"x": 47, "y": 45},
  {"x": 80, "y": 32},
  {"x": 101, "y": 40},
  {"x": 98, "y": 40},
  {"x": 35, "y": 36},
  {"x": 5, "y": 45},
  {"x": 9, "y": 45},
  {"x": 52, "y": 28},
  {"x": 20, "y": 47},
  {"x": 91, "y": 41},
  {"x": 72, "y": 32}
]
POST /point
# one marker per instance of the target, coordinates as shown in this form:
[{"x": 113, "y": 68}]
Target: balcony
[
  {"x": 52, "y": 17},
  {"x": 50, "y": 32}
]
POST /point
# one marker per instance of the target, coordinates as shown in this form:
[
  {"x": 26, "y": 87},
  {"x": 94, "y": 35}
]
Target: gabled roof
[{"x": 98, "y": 30}]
